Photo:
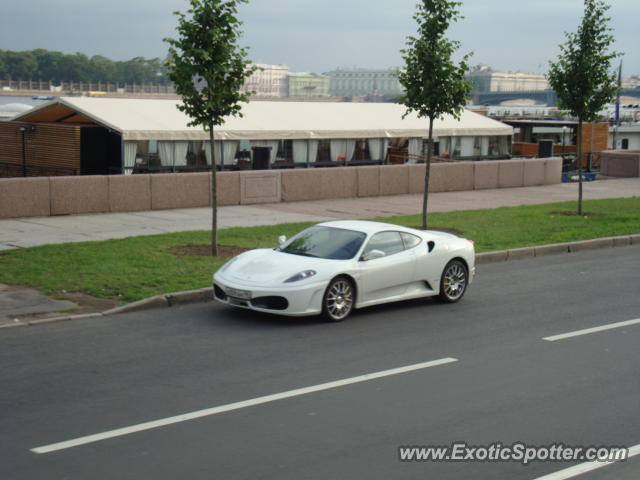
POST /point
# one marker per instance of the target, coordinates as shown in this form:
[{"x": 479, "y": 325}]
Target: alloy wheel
[
  {"x": 454, "y": 281},
  {"x": 339, "y": 299}
]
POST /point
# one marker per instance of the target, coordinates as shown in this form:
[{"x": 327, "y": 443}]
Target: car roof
[{"x": 366, "y": 226}]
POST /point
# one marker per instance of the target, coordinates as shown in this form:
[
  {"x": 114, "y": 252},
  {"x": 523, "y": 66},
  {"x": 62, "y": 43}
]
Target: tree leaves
[
  {"x": 435, "y": 85},
  {"x": 583, "y": 76},
  {"x": 206, "y": 64},
  {"x": 45, "y": 65}
]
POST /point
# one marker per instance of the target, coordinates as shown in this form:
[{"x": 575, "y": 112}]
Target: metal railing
[
  {"x": 408, "y": 158},
  {"x": 142, "y": 169},
  {"x": 53, "y": 88},
  {"x": 591, "y": 162}
]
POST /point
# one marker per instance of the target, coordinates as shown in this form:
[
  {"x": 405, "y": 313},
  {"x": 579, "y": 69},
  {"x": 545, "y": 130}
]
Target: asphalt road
[{"x": 69, "y": 380}]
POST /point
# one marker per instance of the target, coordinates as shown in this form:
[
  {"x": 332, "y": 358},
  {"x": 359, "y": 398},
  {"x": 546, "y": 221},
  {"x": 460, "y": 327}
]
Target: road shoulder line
[
  {"x": 588, "y": 331},
  {"x": 576, "y": 470}
]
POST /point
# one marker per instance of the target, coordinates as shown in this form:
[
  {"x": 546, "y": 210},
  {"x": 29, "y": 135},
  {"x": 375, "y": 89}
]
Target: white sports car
[{"x": 334, "y": 267}]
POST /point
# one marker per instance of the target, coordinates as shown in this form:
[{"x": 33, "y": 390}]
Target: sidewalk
[{"x": 32, "y": 231}]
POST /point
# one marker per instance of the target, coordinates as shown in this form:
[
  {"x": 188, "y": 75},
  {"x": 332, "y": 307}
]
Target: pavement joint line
[
  {"x": 119, "y": 432},
  {"x": 588, "y": 331},
  {"x": 43, "y": 224},
  {"x": 576, "y": 470}
]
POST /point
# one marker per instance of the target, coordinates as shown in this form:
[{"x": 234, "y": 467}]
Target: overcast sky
[{"x": 316, "y": 35}]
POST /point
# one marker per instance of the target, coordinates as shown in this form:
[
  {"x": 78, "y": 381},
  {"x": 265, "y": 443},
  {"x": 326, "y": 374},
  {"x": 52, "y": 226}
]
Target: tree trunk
[
  {"x": 579, "y": 165},
  {"x": 214, "y": 199},
  {"x": 427, "y": 172}
]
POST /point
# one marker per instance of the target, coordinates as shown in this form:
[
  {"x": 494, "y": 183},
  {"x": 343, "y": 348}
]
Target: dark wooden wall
[{"x": 49, "y": 149}]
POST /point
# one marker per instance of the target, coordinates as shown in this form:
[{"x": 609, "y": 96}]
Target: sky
[{"x": 317, "y": 35}]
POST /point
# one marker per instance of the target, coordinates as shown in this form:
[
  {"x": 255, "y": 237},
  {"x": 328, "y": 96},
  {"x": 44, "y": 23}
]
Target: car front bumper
[{"x": 301, "y": 300}]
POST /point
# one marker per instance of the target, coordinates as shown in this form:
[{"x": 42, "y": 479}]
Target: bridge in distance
[{"x": 547, "y": 97}]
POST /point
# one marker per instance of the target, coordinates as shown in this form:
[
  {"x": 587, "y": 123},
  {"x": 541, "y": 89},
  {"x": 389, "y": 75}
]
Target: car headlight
[{"x": 301, "y": 276}]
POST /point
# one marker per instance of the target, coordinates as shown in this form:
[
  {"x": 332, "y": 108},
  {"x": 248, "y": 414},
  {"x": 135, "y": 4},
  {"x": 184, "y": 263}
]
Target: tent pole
[{"x": 122, "y": 171}]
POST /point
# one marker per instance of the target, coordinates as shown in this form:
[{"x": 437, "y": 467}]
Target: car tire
[
  {"x": 453, "y": 281},
  {"x": 338, "y": 300}
]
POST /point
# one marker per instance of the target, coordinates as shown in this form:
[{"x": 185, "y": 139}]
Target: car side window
[
  {"x": 410, "y": 240},
  {"x": 387, "y": 242}
]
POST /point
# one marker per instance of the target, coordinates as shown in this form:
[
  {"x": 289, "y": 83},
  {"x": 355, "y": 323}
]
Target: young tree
[
  {"x": 208, "y": 68},
  {"x": 583, "y": 77},
  {"x": 435, "y": 85}
]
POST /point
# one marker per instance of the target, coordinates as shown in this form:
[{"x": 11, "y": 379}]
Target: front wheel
[
  {"x": 338, "y": 300},
  {"x": 454, "y": 281}
]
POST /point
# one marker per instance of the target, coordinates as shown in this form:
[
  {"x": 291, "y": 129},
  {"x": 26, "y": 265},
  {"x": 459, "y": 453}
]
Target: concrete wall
[
  {"x": 180, "y": 190},
  {"x": 29, "y": 197},
  {"x": 25, "y": 197},
  {"x": 262, "y": 186},
  {"x": 620, "y": 163},
  {"x": 129, "y": 193},
  {"x": 73, "y": 195}
]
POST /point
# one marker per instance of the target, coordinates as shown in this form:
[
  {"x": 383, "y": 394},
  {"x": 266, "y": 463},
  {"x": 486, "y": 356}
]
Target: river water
[
  {"x": 6, "y": 99},
  {"x": 6, "y": 113}
]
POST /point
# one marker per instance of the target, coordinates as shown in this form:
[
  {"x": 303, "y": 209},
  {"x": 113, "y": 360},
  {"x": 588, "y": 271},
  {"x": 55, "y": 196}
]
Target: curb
[
  {"x": 166, "y": 300},
  {"x": 206, "y": 294},
  {"x": 42, "y": 321},
  {"x": 556, "y": 248}
]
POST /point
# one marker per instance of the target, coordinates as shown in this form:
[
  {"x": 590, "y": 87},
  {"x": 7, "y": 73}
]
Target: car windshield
[{"x": 325, "y": 242}]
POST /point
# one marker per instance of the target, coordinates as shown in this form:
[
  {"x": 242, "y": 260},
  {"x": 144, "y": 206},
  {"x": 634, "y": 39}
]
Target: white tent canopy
[{"x": 142, "y": 119}]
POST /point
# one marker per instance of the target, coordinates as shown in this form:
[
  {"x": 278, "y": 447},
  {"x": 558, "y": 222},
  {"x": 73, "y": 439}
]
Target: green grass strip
[{"x": 138, "y": 267}]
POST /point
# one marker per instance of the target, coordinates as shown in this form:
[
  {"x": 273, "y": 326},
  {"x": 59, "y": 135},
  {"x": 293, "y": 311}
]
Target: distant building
[
  {"x": 362, "y": 82},
  {"x": 268, "y": 81},
  {"x": 485, "y": 79},
  {"x": 626, "y": 137},
  {"x": 308, "y": 85},
  {"x": 631, "y": 82}
]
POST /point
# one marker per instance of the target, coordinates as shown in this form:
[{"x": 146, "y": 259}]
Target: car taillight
[{"x": 473, "y": 244}]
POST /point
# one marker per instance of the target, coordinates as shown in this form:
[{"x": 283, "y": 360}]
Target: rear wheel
[
  {"x": 454, "y": 281},
  {"x": 338, "y": 301}
]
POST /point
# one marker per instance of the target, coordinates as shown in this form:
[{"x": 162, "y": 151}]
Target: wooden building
[
  {"x": 52, "y": 149},
  {"x": 564, "y": 136}
]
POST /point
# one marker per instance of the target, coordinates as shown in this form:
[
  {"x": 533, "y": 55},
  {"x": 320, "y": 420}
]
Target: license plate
[
  {"x": 234, "y": 292},
  {"x": 238, "y": 301}
]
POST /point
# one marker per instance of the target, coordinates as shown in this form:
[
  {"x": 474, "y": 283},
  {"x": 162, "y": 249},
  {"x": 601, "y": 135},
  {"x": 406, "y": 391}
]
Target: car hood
[{"x": 271, "y": 267}]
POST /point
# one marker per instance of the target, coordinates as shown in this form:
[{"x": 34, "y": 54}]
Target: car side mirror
[
  {"x": 373, "y": 255},
  {"x": 282, "y": 239}
]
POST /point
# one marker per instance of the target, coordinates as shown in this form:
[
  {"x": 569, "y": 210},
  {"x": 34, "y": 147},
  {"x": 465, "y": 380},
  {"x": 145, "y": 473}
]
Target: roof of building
[
  {"x": 142, "y": 119},
  {"x": 516, "y": 122}
]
